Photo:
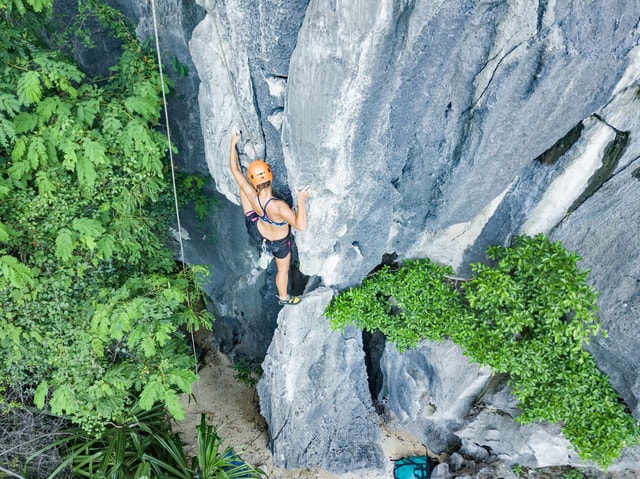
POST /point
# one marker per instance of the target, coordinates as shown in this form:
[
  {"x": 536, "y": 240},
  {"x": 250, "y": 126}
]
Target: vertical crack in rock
[
  {"x": 373, "y": 344},
  {"x": 542, "y": 9},
  {"x": 493, "y": 71},
  {"x": 610, "y": 159},
  {"x": 314, "y": 393},
  {"x": 560, "y": 147}
]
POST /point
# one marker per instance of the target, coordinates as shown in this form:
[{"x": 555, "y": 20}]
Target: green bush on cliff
[{"x": 528, "y": 315}]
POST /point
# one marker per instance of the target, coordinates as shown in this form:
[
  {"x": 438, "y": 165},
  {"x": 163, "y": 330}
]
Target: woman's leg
[{"x": 282, "y": 276}]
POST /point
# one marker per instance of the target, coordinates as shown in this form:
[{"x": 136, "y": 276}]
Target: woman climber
[{"x": 268, "y": 218}]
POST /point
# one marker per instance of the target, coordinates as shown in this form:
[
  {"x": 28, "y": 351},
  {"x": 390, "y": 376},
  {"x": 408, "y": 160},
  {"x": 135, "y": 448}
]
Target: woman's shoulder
[{"x": 279, "y": 202}]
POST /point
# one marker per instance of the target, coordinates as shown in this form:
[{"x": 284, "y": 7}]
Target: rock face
[
  {"x": 314, "y": 393},
  {"x": 425, "y": 129},
  {"x": 428, "y": 390}
]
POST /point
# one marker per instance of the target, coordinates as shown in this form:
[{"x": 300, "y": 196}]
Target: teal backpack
[{"x": 415, "y": 467}]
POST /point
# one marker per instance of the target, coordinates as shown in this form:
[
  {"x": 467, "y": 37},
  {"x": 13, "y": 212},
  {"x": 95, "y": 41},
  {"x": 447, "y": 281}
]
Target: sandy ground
[{"x": 232, "y": 407}]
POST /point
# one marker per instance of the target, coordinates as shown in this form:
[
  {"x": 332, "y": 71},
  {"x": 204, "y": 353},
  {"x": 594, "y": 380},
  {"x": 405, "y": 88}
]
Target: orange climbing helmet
[{"x": 259, "y": 172}]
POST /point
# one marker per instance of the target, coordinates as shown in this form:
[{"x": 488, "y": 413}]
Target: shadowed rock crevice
[
  {"x": 612, "y": 154},
  {"x": 373, "y": 345},
  {"x": 560, "y": 147}
]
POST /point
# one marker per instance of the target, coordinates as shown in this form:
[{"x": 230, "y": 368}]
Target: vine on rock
[{"x": 527, "y": 315}]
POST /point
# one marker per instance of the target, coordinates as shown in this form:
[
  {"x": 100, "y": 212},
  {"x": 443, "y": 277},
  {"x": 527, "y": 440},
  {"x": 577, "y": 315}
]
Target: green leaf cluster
[
  {"x": 528, "y": 314},
  {"x": 407, "y": 304},
  {"x": 139, "y": 444},
  {"x": 94, "y": 306}
]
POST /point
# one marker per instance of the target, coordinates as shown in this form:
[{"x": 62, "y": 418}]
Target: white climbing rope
[
  {"x": 173, "y": 175},
  {"x": 166, "y": 119},
  {"x": 166, "y": 116}
]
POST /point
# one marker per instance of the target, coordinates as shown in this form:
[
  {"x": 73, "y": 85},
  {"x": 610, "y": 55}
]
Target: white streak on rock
[{"x": 569, "y": 186}]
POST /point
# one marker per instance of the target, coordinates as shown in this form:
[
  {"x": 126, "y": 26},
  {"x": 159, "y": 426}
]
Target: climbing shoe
[{"x": 289, "y": 300}]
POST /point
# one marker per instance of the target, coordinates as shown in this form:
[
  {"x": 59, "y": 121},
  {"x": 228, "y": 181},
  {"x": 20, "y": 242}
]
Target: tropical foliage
[
  {"x": 94, "y": 306},
  {"x": 139, "y": 445},
  {"x": 528, "y": 315}
]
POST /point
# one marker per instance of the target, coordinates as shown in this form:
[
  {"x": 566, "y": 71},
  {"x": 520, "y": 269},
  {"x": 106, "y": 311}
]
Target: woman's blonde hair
[{"x": 263, "y": 186}]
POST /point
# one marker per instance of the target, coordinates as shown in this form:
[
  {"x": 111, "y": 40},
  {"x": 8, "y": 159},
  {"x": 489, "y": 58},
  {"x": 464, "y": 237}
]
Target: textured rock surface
[
  {"x": 433, "y": 393},
  {"x": 613, "y": 208},
  {"x": 428, "y": 390},
  {"x": 411, "y": 119},
  {"x": 425, "y": 129},
  {"x": 314, "y": 393}
]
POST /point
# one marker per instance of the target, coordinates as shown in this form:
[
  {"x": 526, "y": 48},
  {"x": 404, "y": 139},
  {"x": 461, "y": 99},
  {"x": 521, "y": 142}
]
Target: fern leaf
[
  {"x": 37, "y": 153},
  {"x": 47, "y": 107},
  {"x": 7, "y": 132},
  {"x": 41, "y": 394},
  {"x": 148, "y": 346},
  {"x": 45, "y": 187},
  {"x": 57, "y": 74},
  {"x": 106, "y": 246},
  {"x": 152, "y": 392},
  {"x": 25, "y": 122},
  {"x": 87, "y": 111},
  {"x": 19, "y": 169},
  {"x": 174, "y": 406},
  {"x": 15, "y": 273},
  {"x": 145, "y": 106},
  {"x": 29, "y": 89},
  {"x": 88, "y": 227},
  {"x": 89, "y": 230},
  {"x": 182, "y": 378},
  {"x": 63, "y": 401},
  {"x": 9, "y": 103},
  {"x": 4, "y": 234},
  {"x": 4, "y": 188},
  {"x": 63, "y": 111},
  {"x": 64, "y": 244},
  {"x": 95, "y": 152},
  {"x": 86, "y": 172},
  {"x": 69, "y": 149},
  {"x": 39, "y": 5},
  {"x": 111, "y": 126},
  {"x": 50, "y": 136},
  {"x": 131, "y": 134},
  {"x": 19, "y": 5},
  {"x": 100, "y": 325},
  {"x": 18, "y": 149}
]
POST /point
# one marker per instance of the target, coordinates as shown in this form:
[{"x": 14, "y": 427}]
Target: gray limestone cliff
[{"x": 425, "y": 129}]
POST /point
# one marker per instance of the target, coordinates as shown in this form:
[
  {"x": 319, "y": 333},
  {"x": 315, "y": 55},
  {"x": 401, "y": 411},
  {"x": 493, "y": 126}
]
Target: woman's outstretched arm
[{"x": 242, "y": 181}]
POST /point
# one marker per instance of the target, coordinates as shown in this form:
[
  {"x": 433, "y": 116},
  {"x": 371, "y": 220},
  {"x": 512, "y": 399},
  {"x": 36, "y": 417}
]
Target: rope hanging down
[
  {"x": 166, "y": 118},
  {"x": 173, "y": 175}
]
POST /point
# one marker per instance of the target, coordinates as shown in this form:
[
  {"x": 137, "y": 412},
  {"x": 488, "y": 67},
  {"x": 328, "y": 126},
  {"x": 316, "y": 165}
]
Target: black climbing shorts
[{"x": 279, "y": 248}]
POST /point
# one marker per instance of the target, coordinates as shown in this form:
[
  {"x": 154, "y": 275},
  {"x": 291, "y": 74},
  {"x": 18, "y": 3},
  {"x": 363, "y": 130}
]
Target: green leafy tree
[
  {"x": 528, "y": 315},
  {"x": 94, "y": 306}
]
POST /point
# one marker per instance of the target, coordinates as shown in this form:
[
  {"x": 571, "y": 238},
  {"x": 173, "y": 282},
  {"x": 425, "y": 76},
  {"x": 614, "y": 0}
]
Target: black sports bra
[{"x": 264, "y": 216}]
